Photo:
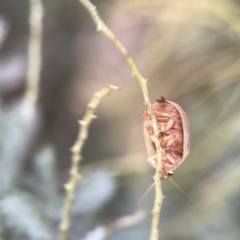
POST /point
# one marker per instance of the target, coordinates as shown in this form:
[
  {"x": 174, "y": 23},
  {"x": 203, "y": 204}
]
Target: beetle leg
[
  {"x": 153, "y": 160},
  {"x": 168, "y": 168},
  {"x": 170, "y": 159},
  {"x": 166, "y": 122},
  {"x": 169, "y": 124},
  {"x": 149, "y": 129},
  {"x": 168, "y": 140},
  {"x": 146, "y": 114}
]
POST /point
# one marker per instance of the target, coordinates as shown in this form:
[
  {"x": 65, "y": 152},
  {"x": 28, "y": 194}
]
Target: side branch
[
  {"x": 101, "y": 26},
  {"x": 76, "y": 156}
]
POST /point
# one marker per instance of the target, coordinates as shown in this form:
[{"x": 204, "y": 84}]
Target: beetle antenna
[
  {"x": 183, "y": 192},
  {"x": 146, "y": 193}
]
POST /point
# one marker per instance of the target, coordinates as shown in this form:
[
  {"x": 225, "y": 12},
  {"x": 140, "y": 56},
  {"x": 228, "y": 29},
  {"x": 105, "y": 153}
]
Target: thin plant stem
[
  {"x": 76, "y": 157},
  {"x": 101, "y": 26},
  {"x": 34, "y": 59}
]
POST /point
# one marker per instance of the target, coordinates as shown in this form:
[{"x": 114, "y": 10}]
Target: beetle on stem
[{"x": 173, "y": 135}]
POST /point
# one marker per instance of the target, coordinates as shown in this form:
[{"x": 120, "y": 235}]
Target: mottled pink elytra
[{"x": 173, "y": 135}]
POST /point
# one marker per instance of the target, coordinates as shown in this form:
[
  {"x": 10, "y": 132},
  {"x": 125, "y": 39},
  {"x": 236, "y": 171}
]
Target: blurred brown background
[{"x": 188, "y": 50}]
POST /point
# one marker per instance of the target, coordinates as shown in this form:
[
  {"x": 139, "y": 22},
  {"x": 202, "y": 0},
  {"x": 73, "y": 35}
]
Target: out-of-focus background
[{"x": 189, "y": 51}]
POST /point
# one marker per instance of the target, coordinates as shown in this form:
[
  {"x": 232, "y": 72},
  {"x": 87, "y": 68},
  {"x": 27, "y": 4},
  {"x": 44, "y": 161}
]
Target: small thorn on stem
[
  {"x": 112, "y": 87},
  {"x": 81, "y": 122},
  {"x": 127, "y": 55},
  {"x": 74, "y": 149},
  {"x": 154, "y": 213}
]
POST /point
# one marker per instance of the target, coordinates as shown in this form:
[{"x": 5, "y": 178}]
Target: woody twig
[
  {"x": 76, "y": 157},
  {"x": 101, "y": 26}
]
